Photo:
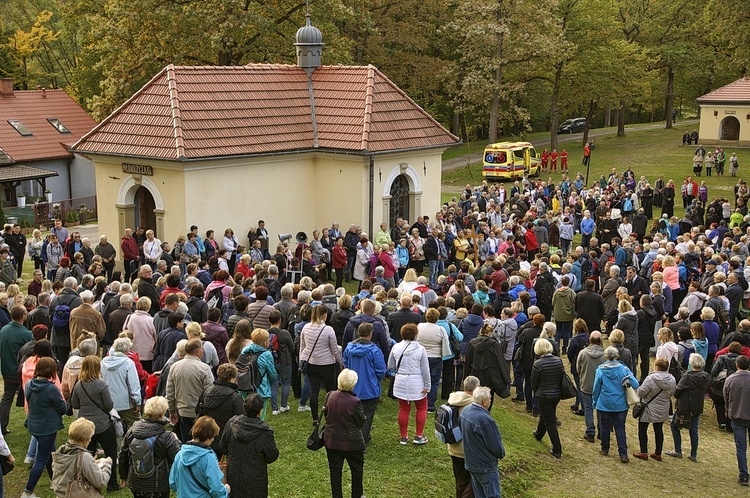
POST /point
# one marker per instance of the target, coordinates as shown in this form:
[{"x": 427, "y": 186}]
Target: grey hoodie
[{"x": 588, "y": 360}]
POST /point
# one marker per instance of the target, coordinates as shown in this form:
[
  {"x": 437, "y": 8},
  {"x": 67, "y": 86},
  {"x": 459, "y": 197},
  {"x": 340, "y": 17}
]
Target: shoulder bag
[
  {"x": 304, "y": 363},
  {"x": 79, "y": 486},
  {"x": 114, "y": 416},
  {"x": 393, "y": 379},
  {"x": 568, "y": 389},
  {"x": 640, "y": 407},
  {"x": 316, "y": 440},
  {"x": 196, "y": 481}
]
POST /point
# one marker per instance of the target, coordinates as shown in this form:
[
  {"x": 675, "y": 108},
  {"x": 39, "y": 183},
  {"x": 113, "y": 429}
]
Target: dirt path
[{"x": 462, "y": 161}]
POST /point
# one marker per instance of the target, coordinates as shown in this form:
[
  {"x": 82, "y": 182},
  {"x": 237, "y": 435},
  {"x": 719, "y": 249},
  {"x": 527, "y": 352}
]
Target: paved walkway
[{"x": 476, "y": 158}]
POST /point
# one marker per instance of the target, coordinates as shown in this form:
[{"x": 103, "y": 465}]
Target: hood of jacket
[
  {"x": 612, "y": 371},
  {"x": 67, "y": 454},
  {"x": 650, "y": 311},
  {"x": 249, "y": 428},
  {"x": 192, "y": 452},
  {"x": 663, "y": 380},
  {"x": 594, "y": 351},
  {"x": 631, "y": 315},
  {"x": 114, "y": 360},
  {"x": 474, "y": 320},
  {"x": 361, "y": 348},
  {"x": 253, "y": 348},
  {"x": 164, "y": 314},
  {"x": 483, "y": 343},
  {"x": 38, "y": 385},
  {"x": 459, "y": 398}
]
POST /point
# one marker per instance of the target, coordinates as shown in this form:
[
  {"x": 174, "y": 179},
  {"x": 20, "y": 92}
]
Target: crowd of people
[{"x": 174, "y": 366}]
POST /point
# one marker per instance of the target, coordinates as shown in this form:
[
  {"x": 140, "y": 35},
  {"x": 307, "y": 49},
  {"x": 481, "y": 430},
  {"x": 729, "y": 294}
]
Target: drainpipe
[{"x": 372, "y": 193}]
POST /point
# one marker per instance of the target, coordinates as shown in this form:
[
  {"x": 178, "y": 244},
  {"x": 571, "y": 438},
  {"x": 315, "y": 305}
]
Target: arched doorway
[
  {"x": 729, "y": 129},
  {"x": 144, "y": 209},
  {"x": 399, "y": 199}
]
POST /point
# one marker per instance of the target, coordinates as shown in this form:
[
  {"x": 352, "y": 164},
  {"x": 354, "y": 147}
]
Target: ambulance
[{"x": 510, "y": 160}]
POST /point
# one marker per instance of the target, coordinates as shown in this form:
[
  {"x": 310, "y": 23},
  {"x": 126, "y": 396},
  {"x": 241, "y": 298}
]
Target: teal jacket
[
  {"x": 201, "y": 459},
  {"x": 12, "y": 337},
  {"x": 266, "y": 368}
]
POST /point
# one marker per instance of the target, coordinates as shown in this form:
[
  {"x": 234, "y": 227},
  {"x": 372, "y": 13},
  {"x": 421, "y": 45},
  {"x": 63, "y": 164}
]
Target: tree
[
  {"x": 498, "y": 44},
  {"x": 25, "y": 45}
]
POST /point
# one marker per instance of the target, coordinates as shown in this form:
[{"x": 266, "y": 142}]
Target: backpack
[
  {"x": 645, "y": 271},
  {"x": 142, "y": 456},
  {"x": 248, "y": 372},
  {"x": 686, "y": 357},
  {"x": 741, "y": 280},
  {"x": 455, "y": 344},
  {"x": 675, "y": 369},
  {"x": 627, "y": 205},
  {"x": 587, "y": 269},
  {"x": 61, "y": 316},
  {"x": 273, "y": 346},
  {"x": 215, "y": 298},
  {"x": 692, "y": 275},
  {"x": 447, "y": 429},
  {"x": 628, "y": 256}
]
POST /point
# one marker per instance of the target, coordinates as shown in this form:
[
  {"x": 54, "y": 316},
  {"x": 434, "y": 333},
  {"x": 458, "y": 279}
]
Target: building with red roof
[
  {"x": 37, "y": 128},
  {"x": 299, "y": 146},
  {"x": 725, "y": 114}
]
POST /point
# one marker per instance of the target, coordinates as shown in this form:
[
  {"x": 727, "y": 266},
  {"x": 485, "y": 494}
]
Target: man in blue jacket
[
  {"x": 483, "y": 445},
  {"x": 364, "y": 357}
]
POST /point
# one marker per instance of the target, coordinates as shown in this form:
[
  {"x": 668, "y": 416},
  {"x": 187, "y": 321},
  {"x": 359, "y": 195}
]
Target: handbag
[
  {"x": 316, "y": 440},
  {"x": 640, "y": 407},
  {"x": 568, "y": 389},
  {"x": 79, "y": 486},
  {"x": 6, "y": 465},
  {"x": 304, "y": 363},
  {"x": 393, "y": 379},
  {"x": 632, "y": 396},
  {"x": 114, "y": 416}
]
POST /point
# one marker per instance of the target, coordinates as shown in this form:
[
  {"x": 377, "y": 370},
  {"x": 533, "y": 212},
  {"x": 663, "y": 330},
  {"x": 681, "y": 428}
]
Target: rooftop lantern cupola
[{"x": 309, "y": 43}]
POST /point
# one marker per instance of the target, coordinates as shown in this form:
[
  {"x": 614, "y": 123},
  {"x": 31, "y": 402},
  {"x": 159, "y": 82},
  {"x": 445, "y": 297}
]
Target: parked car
[{"x": 575, "y": 125}]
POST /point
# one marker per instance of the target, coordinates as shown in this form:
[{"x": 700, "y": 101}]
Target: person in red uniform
[
  {"x": 545, "y": 159},
  {"x": 564, "y": 161},
  {"x": 553, "y": 160},
  {"x": 586, "y": 154}
]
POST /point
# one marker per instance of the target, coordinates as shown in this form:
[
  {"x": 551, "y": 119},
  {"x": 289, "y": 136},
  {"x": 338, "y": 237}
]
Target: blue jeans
[
  {"x": 677, "y": 436},
  {"x": 740, "y": 430},
  {"x": 305, "y": 391},
  {"x": 437, "y": 267},
  {"x": 31, "y": 452},
  {"x": 486, "y": 484},
  {"x": 616, "y": 419},
  {"x": 45, "y": 447},
  {"x": 563, "y": 333},
  {"x": 436, "y": 368},
  {"x": 588, "y": 414},
  {"x": 285, "y": 379}
]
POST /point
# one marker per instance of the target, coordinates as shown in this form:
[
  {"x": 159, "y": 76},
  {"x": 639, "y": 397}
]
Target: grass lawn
[{"x": 650, "y": 153}]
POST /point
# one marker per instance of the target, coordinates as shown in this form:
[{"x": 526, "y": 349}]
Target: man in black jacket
[
  {"x": 590, "y": 306},
  {"x": 401, "y": 317},
  {"x": 351, "y": 239},
  {"x": 637, "y": 286},
  {"x": 17, "y": 243},
  {"x": 544, "y": 287},
  {"x": 146, "y": 288}
]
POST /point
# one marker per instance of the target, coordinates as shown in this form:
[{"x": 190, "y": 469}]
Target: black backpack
[
  {"x": 741, "y": 280},
  {"x": 142, "y": 460},
  {"x": 248, "y": 372},
  {"x": 215, "y": 298},
  {"x": 447, "y": 429}
]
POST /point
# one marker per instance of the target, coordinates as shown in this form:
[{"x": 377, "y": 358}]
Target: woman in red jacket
[
  {"x": 339, "y": 260},
  {"x": 386, "y": 261},
  {"x": 531, "y": 243}
]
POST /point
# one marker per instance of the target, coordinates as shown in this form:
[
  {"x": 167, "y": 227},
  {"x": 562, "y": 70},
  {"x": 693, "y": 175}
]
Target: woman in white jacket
[{"x": 408, "y": 359}]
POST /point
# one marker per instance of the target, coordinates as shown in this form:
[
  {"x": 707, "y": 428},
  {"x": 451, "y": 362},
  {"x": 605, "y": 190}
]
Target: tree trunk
[
  {"x": 608, "y": 116},
  {"x": 589, "y": 117},
  {"x": 554, "y": 109},
  {"x": 669, "y": 107},
  {"x": 621, "y": 120},
  {"x": 495, "y": 109}
]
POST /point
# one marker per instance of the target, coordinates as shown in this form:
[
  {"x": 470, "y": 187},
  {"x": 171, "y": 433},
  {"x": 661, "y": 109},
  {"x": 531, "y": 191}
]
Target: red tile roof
[
  {"x": 204, "y": 112},
  {"x": 33, "y": 108},
  {"x": 734, "y": 93}
]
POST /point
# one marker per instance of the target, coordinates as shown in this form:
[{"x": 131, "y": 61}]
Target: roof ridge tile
[
  {"x": 174, "y": 102},
  {"x": 368, "y": 106}
]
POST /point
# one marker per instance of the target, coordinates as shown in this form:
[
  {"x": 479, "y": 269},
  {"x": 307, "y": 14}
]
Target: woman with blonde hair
[
  {"x": 617, "y": 340},
  {"x": 409, "y": 282},
  {"x": 74, "y": 457},
  {"x": 266, "y": 368},
  {"x": 14, "y": 295},
  {"x": 318, "y": 347},
  {"x": 93, "y": 400},
  {"x": 35, "y": 249},
  {"x": 671, "y": 273},
  {"x": 210, "y": 356}
]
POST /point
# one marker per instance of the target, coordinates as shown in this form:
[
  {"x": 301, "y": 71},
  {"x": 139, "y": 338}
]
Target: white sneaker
[
  {"x": 28, "y": 460},
  {"x": 275, "y": 412},
  {"x": 28, "y": 495},
  {"x": 284, "y": 409},
  {"x": 303, "y": 408}
]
